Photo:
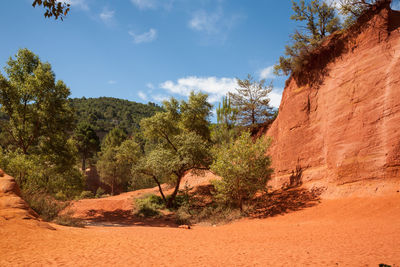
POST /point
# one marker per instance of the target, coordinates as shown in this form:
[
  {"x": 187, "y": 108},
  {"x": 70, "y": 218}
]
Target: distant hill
[{"x": 105, "y": 113}]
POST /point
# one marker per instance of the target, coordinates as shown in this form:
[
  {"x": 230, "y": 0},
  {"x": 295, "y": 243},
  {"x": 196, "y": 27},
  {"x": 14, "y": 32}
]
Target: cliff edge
[{"x": 339, "y": 121}]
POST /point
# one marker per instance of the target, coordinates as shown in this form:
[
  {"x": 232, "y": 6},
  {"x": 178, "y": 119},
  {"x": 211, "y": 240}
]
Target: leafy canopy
[
  {"x": 244, "y": 168},
  {"x": 177, "y": 141},
  {"x": 115, "y": 163}
]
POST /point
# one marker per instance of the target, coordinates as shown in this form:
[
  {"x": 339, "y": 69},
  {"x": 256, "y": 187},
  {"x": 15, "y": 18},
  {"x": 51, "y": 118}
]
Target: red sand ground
[{"x": 346, "y": 232}]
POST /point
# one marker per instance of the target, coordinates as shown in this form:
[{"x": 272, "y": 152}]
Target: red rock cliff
[{"x": 341, "y": 123}]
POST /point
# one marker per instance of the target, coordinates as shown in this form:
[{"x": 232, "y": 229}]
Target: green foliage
[
  {"x": 106, "y": 113},
  {"x": 114, "y": 138},
  {"x": 58, "y": 9},
  {"x": 37, "y": 148},
  {"x": 33, "y": 173},
  {"x": 226, "y": 114},
  {"x": 251, "y": 101},
  {"x": 179, "y": 142},
  {"x": 68, "y": 220},
  {"x": 86, "y": 194},
  {"x": 47, "y": 207},
  {"x": 319, "y": 20},
  {"x": 149, "y": 206},
  {"x": 87, "y": 142},
  {"x": 100, "y": 192},
  {"x": 115, "y": 163},
  {"x": 35, "y": 105},
  {"x": 353, "y": 9},
  {"x": 244, "y": 168}
]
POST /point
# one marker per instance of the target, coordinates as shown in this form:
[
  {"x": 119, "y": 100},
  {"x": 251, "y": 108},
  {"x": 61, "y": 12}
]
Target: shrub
[
  {"x": 61, "y": 196},
  {"x": 100, "y": 192},
  {"x": 244, "y": 168},
  {"x": 68, "y": 220},
  {"x": 149, "y": 206},
  {"x": 46, "y": 206},
  {"x": 86, "y": 194}
]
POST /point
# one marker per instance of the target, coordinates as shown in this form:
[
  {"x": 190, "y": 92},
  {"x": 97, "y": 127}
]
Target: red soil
[{"x": 346, "y": 232}]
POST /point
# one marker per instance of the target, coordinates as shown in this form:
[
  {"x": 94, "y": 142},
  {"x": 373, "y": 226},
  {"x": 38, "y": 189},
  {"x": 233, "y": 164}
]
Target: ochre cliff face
[{"x": 345, "y": 129}]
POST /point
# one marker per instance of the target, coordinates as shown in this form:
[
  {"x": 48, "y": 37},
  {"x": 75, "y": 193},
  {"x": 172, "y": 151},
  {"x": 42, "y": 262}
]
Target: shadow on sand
[
  {"x": 284, "y": 201},
  {"x": 120, "y": 218}
]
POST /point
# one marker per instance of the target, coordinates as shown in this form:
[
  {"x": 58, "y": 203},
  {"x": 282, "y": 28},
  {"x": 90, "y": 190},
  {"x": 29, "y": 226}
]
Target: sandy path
[{"x": 347, "y": 232}]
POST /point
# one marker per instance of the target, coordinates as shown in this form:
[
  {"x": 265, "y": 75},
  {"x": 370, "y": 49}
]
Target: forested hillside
[{"x": 105, "y": 113}]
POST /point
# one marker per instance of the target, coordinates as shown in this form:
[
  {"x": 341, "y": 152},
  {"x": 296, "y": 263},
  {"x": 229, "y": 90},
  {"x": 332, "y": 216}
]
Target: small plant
[
  {"x": 149, "y": 206},
  {"x": 100, "y": 192},
  {"x": 86, "y": 194},
  {"x": 46, "y": 206},
  {"x": 68, "y": 220}
]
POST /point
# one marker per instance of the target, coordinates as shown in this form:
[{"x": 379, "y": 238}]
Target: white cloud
[
  {"x": 107, "y": 15},
  {"x": 82, "y": 4},
  {"x": 153, "y": 4},
  {"x": 203, "y": 21},
  {"x": 150, "y": 85},
  {"x": 112, "y": 82},
  {"x": 267, "y": 73},
  {"x": 144, "y": 4},
  {"x": 215, "y": 87},
  {"x": 145, "y": 37},
  {"x": 142, "y": 95},
  {"x": 275, "y": 98},
  {"x": 216, "y": 25},
  {"x": 160, "y": 98}
]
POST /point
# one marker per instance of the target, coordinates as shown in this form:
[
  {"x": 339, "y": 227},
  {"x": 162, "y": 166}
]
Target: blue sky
[{"x": 149, "y": 50}]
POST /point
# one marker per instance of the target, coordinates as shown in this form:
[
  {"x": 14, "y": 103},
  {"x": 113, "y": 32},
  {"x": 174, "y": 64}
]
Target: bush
[
  {"x": 46, "y": 206},
  {"x": 61, "y": 196},
  {"x": 149, "y": 206},
  {"x": 100, "y": 192},
  {"x": 68, "y": 220},
  {"x": 86, "y": 194},
  {"x": 244, "y": 167}
]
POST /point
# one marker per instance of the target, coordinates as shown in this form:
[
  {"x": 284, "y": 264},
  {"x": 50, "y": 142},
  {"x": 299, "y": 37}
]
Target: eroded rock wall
[{"x": 345, "y": 128}]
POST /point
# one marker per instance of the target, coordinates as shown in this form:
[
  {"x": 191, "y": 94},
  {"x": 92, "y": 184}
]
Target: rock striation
[{"x": 339, "y": 121}]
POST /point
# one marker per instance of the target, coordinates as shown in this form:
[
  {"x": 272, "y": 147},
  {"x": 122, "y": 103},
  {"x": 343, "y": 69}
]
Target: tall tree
[
  {"x": 114, "y": 138},
  {"x": 179, "y": 140},
  {"x": 251, "y": 101},
  {"x": 87, "y": 142},
  {"x": 115, "y": 163},
  {"x": 319, "y": 19},
  {"x": 35, "y": 104}
]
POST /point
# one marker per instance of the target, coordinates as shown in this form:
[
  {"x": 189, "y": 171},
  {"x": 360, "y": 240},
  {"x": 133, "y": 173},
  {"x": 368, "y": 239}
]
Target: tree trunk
[
  {"x": 173, "y": 195},
  {"x": 83, "y": 164},
  {"x": 160, "y": 189}
]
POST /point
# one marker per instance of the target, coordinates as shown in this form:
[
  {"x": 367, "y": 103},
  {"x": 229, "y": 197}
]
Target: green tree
[
  {"x": 244, "y": 168},
  {"x": 87, "y": 142},
  {"x": 114, "y": 138},
  {"x": 37, "y": 125},
  {"x": 56, "y": 8},
  {"x": 224, "y": 131},
  {"x": 320, "y": 19},
  {"x": 115, "y": 163},
  {"x": 251, "y": 101},
  {"x": 353, "y": 9},
  {"x": 178, "y": 144},
  {"x": 36, "y": 106}
]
